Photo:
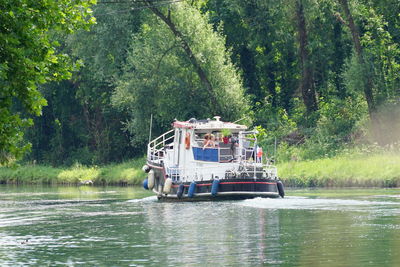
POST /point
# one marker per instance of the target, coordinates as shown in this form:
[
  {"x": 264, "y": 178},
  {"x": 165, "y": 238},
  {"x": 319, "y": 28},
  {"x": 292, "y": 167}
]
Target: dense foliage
[
  {"x": 160, "y": 78},
  {"x": 79, "y": 124},
  {"x": 28, "y": 58},
  {"x": 311, "y": 75}
]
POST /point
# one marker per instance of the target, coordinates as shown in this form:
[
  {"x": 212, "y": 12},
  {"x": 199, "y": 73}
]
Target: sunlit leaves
[
  {"x": 161, "y": 80},
  {"x": 29, "y": 58}
]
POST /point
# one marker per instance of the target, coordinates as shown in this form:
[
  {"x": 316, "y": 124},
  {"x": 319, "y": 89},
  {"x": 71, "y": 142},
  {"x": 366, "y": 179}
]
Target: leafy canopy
[
  {"x": 160, "y": 79},
  {"x": 29, "y": 57}
]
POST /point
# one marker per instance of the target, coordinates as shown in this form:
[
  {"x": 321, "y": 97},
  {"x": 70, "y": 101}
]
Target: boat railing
[
  {"x": 247, "y": 154},
  {"x": 252, "y": 170},
  {"x": 271, "y": 170},
  {"x": 155, "y": 149},
  {"x": 225, "y": 153},
  {"x": 199, "y": 173}
]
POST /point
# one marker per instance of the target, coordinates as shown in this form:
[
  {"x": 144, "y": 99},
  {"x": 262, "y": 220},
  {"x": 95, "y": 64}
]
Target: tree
[
  {"x": 29, "y": 57},
  {"x": 307, "y": 78},
  {"x": 264, "y": 48},
  {"x": 368, "y": 85},
  {"x": 79, "y": 124},
  {"x": 179, "y": 69},
  {"x": 374, "y": 67}
]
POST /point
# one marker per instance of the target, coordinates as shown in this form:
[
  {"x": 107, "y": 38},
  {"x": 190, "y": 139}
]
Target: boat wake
[
  {"x": 146, "y": 199},
  {"x": 303, "y": 203}
]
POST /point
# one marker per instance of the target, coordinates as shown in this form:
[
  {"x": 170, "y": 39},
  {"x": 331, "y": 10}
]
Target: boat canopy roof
[{"x": 209, "y": 125}]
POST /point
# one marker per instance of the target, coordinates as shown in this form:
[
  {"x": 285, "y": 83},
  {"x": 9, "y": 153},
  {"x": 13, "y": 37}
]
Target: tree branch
[
  {"x": 164, "y": 54},
  {"x": 186, "y": 47},
  {"x": 355, "y": 33}
]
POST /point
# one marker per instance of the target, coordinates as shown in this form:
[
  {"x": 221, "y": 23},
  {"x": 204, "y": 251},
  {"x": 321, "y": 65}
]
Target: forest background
[{"x": 317, "y": 78}]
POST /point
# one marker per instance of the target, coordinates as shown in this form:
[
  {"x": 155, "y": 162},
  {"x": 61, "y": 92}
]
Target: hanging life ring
[{"x": 187, "y": 141}]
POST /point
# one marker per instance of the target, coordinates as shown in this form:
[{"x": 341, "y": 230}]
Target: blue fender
[
  {"x": 146, "y": 184},
  {"x": 192, "y": 189},
  {"x": 214, "y": 187},
  {"x": 179, "y": 193}
]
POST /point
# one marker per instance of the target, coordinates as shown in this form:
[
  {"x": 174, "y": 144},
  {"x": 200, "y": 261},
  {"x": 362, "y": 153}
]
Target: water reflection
[
  {"x": 215, "y": 233},
  {"x": 108, "y": 227}
]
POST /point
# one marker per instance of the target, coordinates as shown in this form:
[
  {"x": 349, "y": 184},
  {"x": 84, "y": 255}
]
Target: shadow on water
[{"x": 128, "y": 227}]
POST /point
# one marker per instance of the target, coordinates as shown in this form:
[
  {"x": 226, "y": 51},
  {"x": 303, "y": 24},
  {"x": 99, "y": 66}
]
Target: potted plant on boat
[{"x": 226, "y": 133}]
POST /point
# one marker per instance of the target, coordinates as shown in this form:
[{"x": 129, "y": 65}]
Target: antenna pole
[{"x": 239, "y": 120}]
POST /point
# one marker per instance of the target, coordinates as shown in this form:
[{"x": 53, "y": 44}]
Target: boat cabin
[
  {"x": 205, "y": 158},
  {"x": 204, "y": 149}
]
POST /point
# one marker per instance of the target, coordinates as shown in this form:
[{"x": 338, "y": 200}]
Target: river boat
[{"x": 209, "y": 160}]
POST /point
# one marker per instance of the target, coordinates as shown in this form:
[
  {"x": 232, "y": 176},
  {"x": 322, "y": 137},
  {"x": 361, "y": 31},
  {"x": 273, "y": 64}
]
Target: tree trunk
[
  {"x": 307, "y": 80},
  {"x": 200, "y": 72},
  {"x": 355, "y": 33},
  {"x": 250, "y": 78}
]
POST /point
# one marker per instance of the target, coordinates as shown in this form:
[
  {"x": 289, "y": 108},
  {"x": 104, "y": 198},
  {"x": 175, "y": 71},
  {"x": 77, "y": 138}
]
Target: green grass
[
  {"x": 354, "y": 170},
  {"x": 127, "y": 173},
  {"x": 351, "y": 170}
]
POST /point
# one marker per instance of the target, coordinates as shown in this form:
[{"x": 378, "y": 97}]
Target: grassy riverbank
[
  {"x": 357, "y": 170},
  {"x": 127, "y": 173}
]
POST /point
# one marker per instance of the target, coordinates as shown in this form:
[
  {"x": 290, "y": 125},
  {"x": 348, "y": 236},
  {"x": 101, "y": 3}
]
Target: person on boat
[
  {"x": 210, "y": 141},
  {"x": 259, "y": 154},
  {"x": 206, "y": 138},
  {"x": 214, "y": 141},
  {"x": 218, "y": 138},
  {"x": 234, "y": 143}
]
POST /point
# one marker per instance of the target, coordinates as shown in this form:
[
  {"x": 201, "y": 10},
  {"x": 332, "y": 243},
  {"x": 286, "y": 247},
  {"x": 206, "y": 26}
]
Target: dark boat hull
[{"x": 227, "y": 189}]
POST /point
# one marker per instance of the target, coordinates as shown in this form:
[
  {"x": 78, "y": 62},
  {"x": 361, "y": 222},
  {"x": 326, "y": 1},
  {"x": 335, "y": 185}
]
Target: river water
[{"x": 125, "y": 226}]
